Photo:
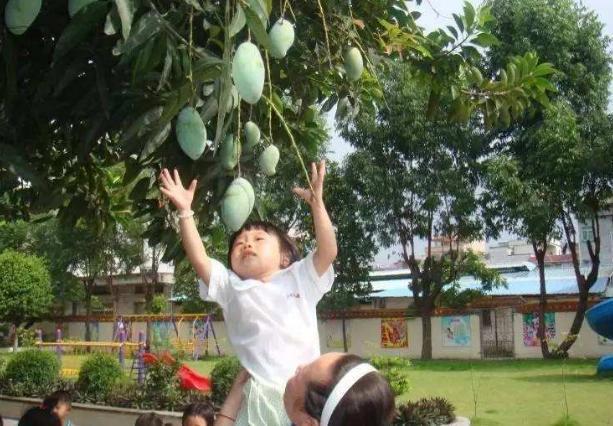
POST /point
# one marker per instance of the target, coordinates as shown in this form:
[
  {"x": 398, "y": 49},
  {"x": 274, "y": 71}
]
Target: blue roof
[{"x": 558, "y": 281}]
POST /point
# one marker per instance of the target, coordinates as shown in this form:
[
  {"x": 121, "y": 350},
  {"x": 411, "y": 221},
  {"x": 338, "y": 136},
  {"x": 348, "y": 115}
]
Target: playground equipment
[
  {"x": 188, "y": 378},
  {"x": 600, "y": 318}
]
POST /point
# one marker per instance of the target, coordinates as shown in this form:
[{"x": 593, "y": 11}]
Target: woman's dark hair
[
  {"x": 149, "y": 419},
  {"x": 56, "y": 398},
  {"x": 369, "y": 402},
  {"x": 39, "y": 417},
  {"x": 199, "y": 409},
  {"x": 286, "y": 244}
]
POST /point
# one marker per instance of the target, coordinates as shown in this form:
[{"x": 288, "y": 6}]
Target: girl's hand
[
  {"x": 173, "y": 188},
  {"x": 314, "y": 197}
]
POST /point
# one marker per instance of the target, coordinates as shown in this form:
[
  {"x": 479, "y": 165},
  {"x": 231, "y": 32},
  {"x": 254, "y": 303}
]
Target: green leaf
[
  {"x": 255, "y": 25},
  {"x": 146, "y": 27},
  {"x": 156, "y": 139},
  {"x": 469, "y": 14},
  {"x": 125, "y": 9},
  {"x": 543, "y": 69},
  {"x": 238, "y": 21},
  {"x": 453, "y": 31},
  {"x": 79, "y": 28},
  {"x": 260, "y": 8},
  {"x": 195, "y": 4},
  {"x": 139, "y": 192},
  {"x": 112, "y": 22},
  {"x": 167, "y": 67},
  {"x": 458, "y": 22},
  {"x": 485, "y": 40}
]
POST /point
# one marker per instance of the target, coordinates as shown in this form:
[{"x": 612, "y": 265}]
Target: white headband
[{"x": 341, "y": 388}]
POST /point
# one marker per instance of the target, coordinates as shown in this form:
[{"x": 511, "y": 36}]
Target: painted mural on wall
[
  {"x": 394, "y": 333},
  {"x": 334, "y": 334},
  {"x": 456, "y": 331},
  {"x": 531, "y": 325}
]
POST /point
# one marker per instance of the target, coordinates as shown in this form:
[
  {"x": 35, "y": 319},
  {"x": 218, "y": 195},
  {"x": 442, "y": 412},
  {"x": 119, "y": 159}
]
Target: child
[
  {"x": 149, "y": 419},
  {"x": 198, "y": 414},
  {"x": 38, "y": 416},
  {"x": 60, "y": 404},
  {"x": 267, "y": 297}
]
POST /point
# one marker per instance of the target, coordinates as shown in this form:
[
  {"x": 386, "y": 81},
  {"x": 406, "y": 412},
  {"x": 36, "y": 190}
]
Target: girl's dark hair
[
  {"x": 369, "y": 402},
  {"x": 56, "y": 398},
  {"x": 149, "y": 419},
  {"x": 286, "y": 244},
  {"x": 39, "y": 417},
  {"x": 199, "y": 409}
]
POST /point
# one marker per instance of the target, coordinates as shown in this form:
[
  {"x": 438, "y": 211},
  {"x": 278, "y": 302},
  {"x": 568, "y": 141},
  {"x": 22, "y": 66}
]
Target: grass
[
  {"x": 526, "y": 392},
  {"x": 510, "y": 392}
]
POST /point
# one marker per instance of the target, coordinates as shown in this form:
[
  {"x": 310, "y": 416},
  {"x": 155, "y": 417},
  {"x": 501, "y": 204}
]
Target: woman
[{"x": 336, "y": 389}]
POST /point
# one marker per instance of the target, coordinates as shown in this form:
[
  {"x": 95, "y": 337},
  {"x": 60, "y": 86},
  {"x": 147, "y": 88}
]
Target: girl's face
[
  {"x": 195, "y": 421},
  {"x": 319, "y": 371},
  {"x": 256, "y": 254},
  {"x": 62, "y": 410}
]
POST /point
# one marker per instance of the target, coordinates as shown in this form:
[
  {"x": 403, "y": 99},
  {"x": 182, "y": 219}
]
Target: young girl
[
  {"x": 60, "y": 404},
  {"x": 198, "y": 415},
  {"x": 267, "y": 297}
]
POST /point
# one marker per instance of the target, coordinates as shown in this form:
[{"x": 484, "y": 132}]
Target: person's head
[
  {"x": 369, "y": 401},
  {"x": 198, "y": 414},
  {"x": 260, "y": 248},
  {"x": 60, "y": 403},
  {"x": 149, "y": 419},
  {"x": 38, "y": 416}
]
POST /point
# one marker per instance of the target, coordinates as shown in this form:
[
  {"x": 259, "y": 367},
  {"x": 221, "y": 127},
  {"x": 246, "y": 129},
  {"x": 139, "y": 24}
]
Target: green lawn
[
  {"x": 510, "y": 392},
  {"x": 517, "y": 392}
]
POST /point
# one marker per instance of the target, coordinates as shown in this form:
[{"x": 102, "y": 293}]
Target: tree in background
[
  {"x": 25, "y": 289},
  {"x": 554, "y": 166},
  {"x": 418, "y": 177}
]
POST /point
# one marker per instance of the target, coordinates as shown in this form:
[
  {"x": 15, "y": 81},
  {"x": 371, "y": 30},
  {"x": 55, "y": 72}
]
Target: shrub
[
  {"x": 98, "y": 374},
  {"x": 161, "y": 387},
  {"x": 222, "y": 376},
  {"x": 32, "y": 372},
  {"x": 391, "y": 367},
  {"x": 425, "y": 412},
  {"x": 27, "y": 337}
]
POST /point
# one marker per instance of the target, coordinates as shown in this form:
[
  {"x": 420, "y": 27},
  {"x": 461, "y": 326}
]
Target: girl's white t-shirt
[{"x": 272, "y": 325}]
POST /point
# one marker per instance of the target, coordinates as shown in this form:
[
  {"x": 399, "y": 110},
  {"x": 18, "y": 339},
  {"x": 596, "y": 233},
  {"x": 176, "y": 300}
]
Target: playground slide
[
  {"x": 600, "y": 318},
  {"x": 193, "y": 381}
]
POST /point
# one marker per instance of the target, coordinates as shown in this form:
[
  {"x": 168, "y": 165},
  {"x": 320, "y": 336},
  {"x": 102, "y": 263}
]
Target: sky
[{"x": 437, "y": 13}]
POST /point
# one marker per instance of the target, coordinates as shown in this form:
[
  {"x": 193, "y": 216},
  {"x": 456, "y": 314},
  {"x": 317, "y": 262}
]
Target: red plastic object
[
  {"x": 149, "y": 358},
  {"x": 191, "y": 380},
  {"x": 167, "y": 359}
]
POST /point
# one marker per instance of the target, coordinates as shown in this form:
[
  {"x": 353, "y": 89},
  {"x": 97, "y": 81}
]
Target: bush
[
  {"x": 425, "y": 412},
  {"x": 27, "y": 337},
  {"x": 391, "y": 367},
  {"x": 222, "y": 376},
  {"x": 161, "y": 387},
  {"x": 98, "y": 374},
  {"x": 32, "y": 372}
]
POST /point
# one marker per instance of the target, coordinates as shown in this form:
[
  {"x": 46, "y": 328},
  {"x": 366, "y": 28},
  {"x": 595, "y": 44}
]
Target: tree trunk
[
  {"x": 426, "y": 329},
  {"x": 343, "y": 319},
  {"x": 14, "y": 336},
  {"x": 88, "y": 312},
  {"x": 541, "y": 333}
]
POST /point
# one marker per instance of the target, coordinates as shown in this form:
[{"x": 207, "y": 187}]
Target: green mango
[
  {"x": 268, "y": 160},
  {"x": 75, "y": 5},
  {"x": 252, "y": 135},
  {"x": 20, "y": 14},
  {"x": 353, "y": 64},
  {"x": 230, "y": 152},
  {"x": 248, "y": 72},
  {"x": 281, "y": 37},
  {"x": 235, "y": 207},
  {"x": 191, "y": 133},
  {"x": 246, "y": 185}
]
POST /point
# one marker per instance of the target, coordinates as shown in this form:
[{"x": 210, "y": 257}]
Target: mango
[
  {"x": 75, "y": 5},
  {"x": 246, "y": 185},
  {"x": 235, "y": 206},
  {"x": 268, "y": 160},
  {"x": 353, "y": 64},
  {"x": 230, "y": 152},
  {"x": 252, "y": 135},
  {"x": 191, "y": 133},
  {"x": 281, "y": 37},
  {"x": 248, "y": 72},
  {"x": 20, "y": 14}
]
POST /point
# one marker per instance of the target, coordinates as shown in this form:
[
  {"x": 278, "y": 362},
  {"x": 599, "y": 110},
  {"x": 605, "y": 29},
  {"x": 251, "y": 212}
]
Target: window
[
  {"x": 378, "y": 302},
  {"x": 586, "y": 233}
]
